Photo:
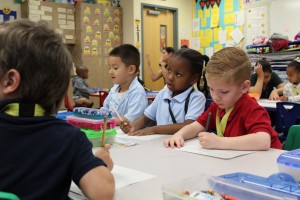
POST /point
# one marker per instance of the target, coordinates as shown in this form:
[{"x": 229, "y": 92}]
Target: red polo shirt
[{"x": 247, "y": 117}]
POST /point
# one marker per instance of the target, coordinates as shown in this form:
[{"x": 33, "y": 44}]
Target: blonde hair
[{"x": 230, "y": 64}]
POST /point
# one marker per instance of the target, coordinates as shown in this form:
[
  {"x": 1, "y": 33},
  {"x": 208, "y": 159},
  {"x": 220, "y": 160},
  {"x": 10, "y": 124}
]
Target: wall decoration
[
  {"x": 7, "y": 14},
  {"x": 137, "y": 23},
  {"x": 163, "y": 36}
]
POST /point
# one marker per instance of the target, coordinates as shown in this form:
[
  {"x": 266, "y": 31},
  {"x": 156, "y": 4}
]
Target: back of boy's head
[
  {"x": 80, "y": 70},
  {"x": 266, "y": 66},
  {"x": 230, "y": 64},
  {"x": 128, "y": 53},
  {"x": 194, "y": 58},
  {"x": 37, "y": 52},
  {"x": 295, "y": 63}
]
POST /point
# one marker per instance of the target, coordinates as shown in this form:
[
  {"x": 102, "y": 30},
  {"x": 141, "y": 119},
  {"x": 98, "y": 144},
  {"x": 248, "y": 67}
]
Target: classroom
[{"x": 164, "y": 99}]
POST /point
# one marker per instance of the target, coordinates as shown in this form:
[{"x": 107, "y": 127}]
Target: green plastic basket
[{"x": 95, "y": 136}]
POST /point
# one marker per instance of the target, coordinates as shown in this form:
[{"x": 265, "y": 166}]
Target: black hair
[
  {"x": 194, "y": 58},
  {"x": 205, "y": 89},
  {"x": 266, "y": 66},
  {"x": 128, "y": 53},
  {"x": 169, "y": 49},
  {"x": 295, "y": 63}
]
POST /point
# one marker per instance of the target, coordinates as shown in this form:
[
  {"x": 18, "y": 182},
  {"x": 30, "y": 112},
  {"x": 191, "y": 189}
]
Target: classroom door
[{"x": 158, "y": 33}]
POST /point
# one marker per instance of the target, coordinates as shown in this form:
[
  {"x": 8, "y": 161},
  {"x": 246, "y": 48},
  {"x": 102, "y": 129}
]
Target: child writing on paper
[
  {"x": 176, "y": 105},
  {"x": 266, "y": 82},
  {"x": 82, "y": 90},
  {"x": 240, "y": 122},
  {"x": 46, "y": 153},
  {"x": 291, "y": 90},
  {"x": 127, "y": 95}
]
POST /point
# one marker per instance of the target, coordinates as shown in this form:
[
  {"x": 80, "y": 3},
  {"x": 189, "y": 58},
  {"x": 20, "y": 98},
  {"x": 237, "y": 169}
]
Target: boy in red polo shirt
[{"x": 240, "y": 123}]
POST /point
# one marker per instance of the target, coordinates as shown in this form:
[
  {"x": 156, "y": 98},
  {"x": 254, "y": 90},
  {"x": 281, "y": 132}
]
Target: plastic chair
[
  {"x": 287, "y": 115},
  {"x": 68, "y": 104},
  {"x": 8, "y": 196},
  {"x": 293, "y": 138},
  {"x": 103, "y": 95}
]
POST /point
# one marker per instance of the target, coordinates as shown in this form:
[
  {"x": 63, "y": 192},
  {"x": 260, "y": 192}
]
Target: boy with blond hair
[
  {"x": 40, "y": 154},
  {"x": 240, "y": 123},
  {"x": 127, "y": 96}
]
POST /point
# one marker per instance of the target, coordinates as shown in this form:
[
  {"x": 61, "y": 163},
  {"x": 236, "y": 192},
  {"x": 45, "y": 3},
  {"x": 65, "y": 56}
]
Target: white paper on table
[
  {"x": 121, "y": 134},
  {"x": 193, "y": 146},
  {"x": 267, "y": 103},
  {"x": 123, "y": 177}
]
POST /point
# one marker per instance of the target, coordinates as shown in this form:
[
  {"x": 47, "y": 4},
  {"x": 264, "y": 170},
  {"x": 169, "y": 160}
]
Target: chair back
[
  {"x": 68, "y": 104},
  {"x": 293, "y": 138},
  {"x": 103, "y": 95},
  {"x": 8, "y": 196},
  {"x": 287, "y": 114}
]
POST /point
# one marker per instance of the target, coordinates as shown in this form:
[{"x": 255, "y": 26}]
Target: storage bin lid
[{"x": 290, "y": 158}]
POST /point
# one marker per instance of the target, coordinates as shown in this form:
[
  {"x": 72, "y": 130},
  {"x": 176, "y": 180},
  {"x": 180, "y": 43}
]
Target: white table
[{"x": 170, "y": 165}]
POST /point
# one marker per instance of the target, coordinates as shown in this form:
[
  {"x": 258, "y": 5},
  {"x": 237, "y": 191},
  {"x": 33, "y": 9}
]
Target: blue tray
[{"x": 279, "y": 184}]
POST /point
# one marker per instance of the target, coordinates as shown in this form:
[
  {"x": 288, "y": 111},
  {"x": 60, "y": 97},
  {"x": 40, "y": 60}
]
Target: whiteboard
[{"x": 285, "y": 18}]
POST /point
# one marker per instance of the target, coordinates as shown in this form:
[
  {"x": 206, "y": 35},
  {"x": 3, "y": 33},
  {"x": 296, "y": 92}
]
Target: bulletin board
[
  {"x": 219, "y": 25},
  {"x": 61, "y": 16},
  {"x": 257, "y": 20}
]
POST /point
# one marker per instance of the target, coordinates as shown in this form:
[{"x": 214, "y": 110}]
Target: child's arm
[
  {"x": 257, "y": 88},
  {"x": 99, "y": 183},
  {"x": 154, "y": 77},
  {"x": 162, "y": 129},
  {"x": 277, "y": 92},
  {"x": 80, "y": 85},
  {"x": 187, "y": 132},
  {"x": 256, "y": 142}
]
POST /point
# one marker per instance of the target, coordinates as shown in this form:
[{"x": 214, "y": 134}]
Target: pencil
[
  {"x": 104, "y": 131},
  {"x": 113, "y": 107},
  {"x": 208, "y": 121}
]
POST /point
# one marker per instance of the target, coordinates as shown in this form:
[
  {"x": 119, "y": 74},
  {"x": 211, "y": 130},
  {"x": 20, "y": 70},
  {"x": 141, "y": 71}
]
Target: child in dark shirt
[
  {"x": 40, "y": 154},
  {"x": 82, "y": 90}
]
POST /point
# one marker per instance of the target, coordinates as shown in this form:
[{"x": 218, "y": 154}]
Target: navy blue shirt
[{"x": 41, "y": 155}]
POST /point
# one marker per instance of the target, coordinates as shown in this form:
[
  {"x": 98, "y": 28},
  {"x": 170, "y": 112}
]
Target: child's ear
[
  {"x": 132, "y": 69},
  {"x": 246, "y": 86},
  {"x": 11, "y": 81}
]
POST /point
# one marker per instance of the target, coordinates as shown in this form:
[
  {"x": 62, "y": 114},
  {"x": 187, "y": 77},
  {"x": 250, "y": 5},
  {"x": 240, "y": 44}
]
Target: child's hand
[
  {"x": 175, "y": 140},
  {"x": 141, "y": 132},
  {"x": 259, "y": 70},
  {"x": 103, "y": 153},
  {"x": 208, "y": 140},
  {"x": 282, "y": 98},
  {"x": 126, "y": 126},
  {"x": 274, "y": 95}
]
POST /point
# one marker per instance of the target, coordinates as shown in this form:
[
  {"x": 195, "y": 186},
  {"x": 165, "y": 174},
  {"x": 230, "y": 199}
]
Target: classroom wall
[
  {"x": 284, "y": 17},
  {"x": 132, "y": 11}
]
